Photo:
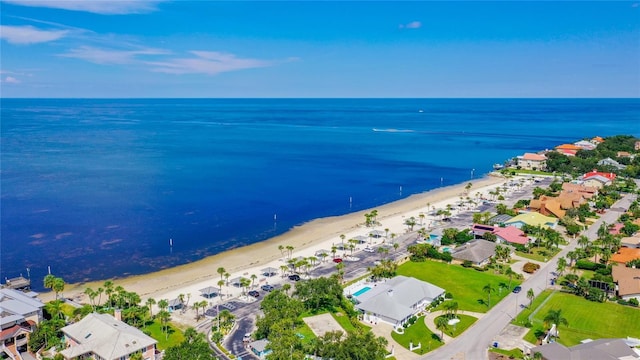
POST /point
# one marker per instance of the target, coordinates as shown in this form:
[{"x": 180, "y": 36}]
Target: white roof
[
  {"x": 15, "y": 305},
  {"x": 394, "y": 299},
  {"x": 103, "y": 335}
]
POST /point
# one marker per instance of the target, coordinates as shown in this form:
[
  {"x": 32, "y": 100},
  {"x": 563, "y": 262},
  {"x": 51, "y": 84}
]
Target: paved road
[{"x": 473, "y": 343}]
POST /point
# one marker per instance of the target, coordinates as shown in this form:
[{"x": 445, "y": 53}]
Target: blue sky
[{"x": 119, "y": 48}]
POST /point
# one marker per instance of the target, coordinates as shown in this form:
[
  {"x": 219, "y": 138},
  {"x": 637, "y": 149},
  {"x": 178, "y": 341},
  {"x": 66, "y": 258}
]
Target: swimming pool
[
  {"x": 361, "y": 291},
  {"x": 446, "y": 249}
]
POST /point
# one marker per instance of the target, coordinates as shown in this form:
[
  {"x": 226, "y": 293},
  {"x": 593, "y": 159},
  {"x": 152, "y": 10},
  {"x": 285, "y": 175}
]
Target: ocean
[{"x": 98, "y": 188}]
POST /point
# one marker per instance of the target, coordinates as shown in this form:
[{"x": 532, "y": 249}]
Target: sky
[{"x": 319, "y": 49}]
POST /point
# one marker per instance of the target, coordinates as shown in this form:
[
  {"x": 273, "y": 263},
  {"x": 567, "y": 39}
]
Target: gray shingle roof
[
  {"x": 104, "y": 336},
  {"x": 476, "y": 251},
  {"x": 603, "y": 349}
]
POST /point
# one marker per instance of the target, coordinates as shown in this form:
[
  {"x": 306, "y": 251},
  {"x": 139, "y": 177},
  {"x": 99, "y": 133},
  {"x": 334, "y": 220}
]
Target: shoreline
[{"x": 315, "y": 234}]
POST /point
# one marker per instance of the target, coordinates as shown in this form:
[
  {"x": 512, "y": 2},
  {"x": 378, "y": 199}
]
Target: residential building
[
  {"x": 624, "y": 255},
  {"x": 531, "y": 161},
  {"x": 532, "y": 219},
  {"x": 623, "y": 154},
  {"x": 19, "y": 315},
  {"x": 568, "y": 149},
  {"x": 586, "y": 192},
  {"x": 102, "y": 336},
  {"x": 585, "y": 145},
  {"x": 259, "y": 348},
  {"x": 627, "y": 281},
  {"x": 397, "y": 300},
  {"x": 504, "y": 235},
  {"x": 611, "y": 162},
  {"x": 631, "y": 241},
  {"x": 597, "y": 140},
  {"x": 477, "y": 251},
  {"x": 598, "y": 179},
  {"x": 602, "y": 349}
]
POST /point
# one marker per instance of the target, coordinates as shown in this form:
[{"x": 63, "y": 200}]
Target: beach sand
[{"x": 306, "y": 239}]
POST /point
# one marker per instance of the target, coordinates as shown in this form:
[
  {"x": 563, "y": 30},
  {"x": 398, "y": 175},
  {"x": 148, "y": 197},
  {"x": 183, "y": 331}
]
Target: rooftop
[
  {"x": 477, "y": 251},
  {"x": 624, "y": 255},
  {"x": 628, "y": 279},
  {"x": 603, "y": 349}
]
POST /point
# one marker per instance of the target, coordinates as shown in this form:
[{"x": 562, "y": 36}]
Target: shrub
[
  {"x": 530, "y": 267},
  {"x": 467, "y": 263},
  {"x": 588, "y": 265},
  {"x": 633, "y": 302},
  {"x": 448, "y": 295}
]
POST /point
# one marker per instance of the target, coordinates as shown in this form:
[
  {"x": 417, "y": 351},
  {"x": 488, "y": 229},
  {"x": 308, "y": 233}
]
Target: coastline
[{"x": 316, "y": 234}]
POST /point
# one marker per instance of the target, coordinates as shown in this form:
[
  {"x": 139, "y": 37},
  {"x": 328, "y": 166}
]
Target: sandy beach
[{"x": 306, "y": 239}]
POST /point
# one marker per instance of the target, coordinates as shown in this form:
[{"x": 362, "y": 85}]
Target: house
[
  {"x": 602, "y": 349},
  {"x": 568, "y": 149},
  {"x": 397, "y": 300},
  {"x": 586, "y": 192},
  {"x": 611, "y": 162},
  {"x": 102, "y": 336},
  {"x": 598, "y": 179},
  {"x": 631, "y": 241},
  {"x": 623, "y": 154},
  {"x": 477, "y": 251},
  {"x": 585, "y": 145},
  {"x": 624, "y": 255},
  {"x": 597, "y": 140},
  {"x": 614, "y": 229},
  {"x": 19, "y": 314},
  {"x": 259, "y": 348},
  {"x": 507, "y": 234},
  {"x": 548, "y": 205},
  {"x": 530, "y": 161},
  {"x": 627, "y": 281},
  {"x": 532, "y": 219},
  {"x": 499, "y": 219}
]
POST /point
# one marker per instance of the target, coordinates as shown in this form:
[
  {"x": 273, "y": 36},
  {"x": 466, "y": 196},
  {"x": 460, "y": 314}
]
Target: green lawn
[
  {"x": 459, "y": 328},
  {"x": 307, "y": 334},
  {"x": 523, "y": 317},
  {"x": 155, "y": 331},
  {"x": 539, "y": 254},
  {"x": 464, "y": 283},
  {"x": 418, "y": 333},
  {"x": 512, "y": 354},
  {"x": 588, "y": 319},
  {"x": 343, "y": 320}
]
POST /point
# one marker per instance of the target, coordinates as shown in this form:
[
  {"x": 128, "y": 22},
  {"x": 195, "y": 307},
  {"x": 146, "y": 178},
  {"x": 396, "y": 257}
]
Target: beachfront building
[
  {"x": 532, "y": 219},
  {"x": 602, "y": 349},
  {"x": 19, "y": 314},
  {"x": 627, "y": 281},
  {"x": 598, "y": 179},
  {"x": 478, "y": 251},
  {"x": 102, "y": 336},
  {"x": 397, "y": 300},
  {"x": 531, "y": 161},
  {"x": 585, "y": 145},
  {"x": 568, "y": 149}
]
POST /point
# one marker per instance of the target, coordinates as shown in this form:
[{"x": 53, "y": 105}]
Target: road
[{"x": 474, "y": 342}]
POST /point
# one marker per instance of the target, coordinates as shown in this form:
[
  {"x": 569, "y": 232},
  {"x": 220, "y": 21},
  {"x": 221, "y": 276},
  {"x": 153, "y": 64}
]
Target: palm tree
[
  {"x": 221, "y": 271},
  {"x": 583, "y": 241},
  {"x": 333, "y": 251},
  {"x": 220, "y": 283},
  {"x": 226, "y": 277},
  {"x": 342, "y": 237},
  {"x": 150, "y": 302},
  {"x": 489, "y": 288},
  {"x": 442, "y": 324},
  {"x": 165, "y": 316},
  {"x": 562, "y": 265},
  {"x": 555, "y": 317},
  {"x": 92, "y": 296},
  {"x": 510, "y": 273},
  {"x": 537, "y": 355},
  {"x": 253, "y": 279},
  {"x": 286, "y": 288},
  {"x": 281, "y": 248},
  {"x": 244, "y": 284},
  {"x": 58, "y": 285},
  {"x": 100, "y": 291},
  {"x": 48, "y": 281},
  {"x": 284, "y": 269},
  {"x": 396, "y": 246},
  {"x": 530, "y": 295},
  {"x": 290, "y": 250}
]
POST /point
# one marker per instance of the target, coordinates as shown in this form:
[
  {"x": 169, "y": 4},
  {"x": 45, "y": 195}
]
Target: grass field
[
  {"x": 418, "y": 333},
  {"x": 512, "y": 354},
  {"x": 155, "y": 331},
  {"x": 459, "y": 328},
  {"x": 587, "y": 319},
  {"x": 464, "y": 283},
  {"x": 523, "y": 317},
  {"x": 536, "y": 254}
]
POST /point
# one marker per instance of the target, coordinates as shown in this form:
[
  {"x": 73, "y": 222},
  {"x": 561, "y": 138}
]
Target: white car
[{"x": 369, "y": 249}]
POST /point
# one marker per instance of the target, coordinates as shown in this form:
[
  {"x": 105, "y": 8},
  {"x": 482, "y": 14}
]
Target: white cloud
[
  {"x": 11, "y": 80},
  {"x": 110, "y": 56},
  {"x": 29, "y": 34},
  {"x": 208, "y": 62},
  {"x": 411, "y": 25},
  {"x": 105, "y": 7}
]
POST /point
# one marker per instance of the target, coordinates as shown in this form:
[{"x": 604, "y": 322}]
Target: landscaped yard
[
  {"x": 539, "y": 254},
  {"x": 418, "y": 333},
  {"x": 523, "y": 317},
  {"x": 464, "y": 283},
  {"x": 155, "y": 331},
  {"x": 587, "y": 319},
  {"x": 459, "y": 328}
]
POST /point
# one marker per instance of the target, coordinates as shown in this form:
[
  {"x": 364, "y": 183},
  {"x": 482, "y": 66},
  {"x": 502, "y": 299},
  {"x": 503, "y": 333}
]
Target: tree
[
  {"x": 442, "y": 324},
  {"x": 489, "y": 288},
  {"x": 583, "y": 241},
  {"x": 555, "y": 317},
  {"x": 222, "y": 271},
  {"x": 48, "y": 281},
  {"x": 150, "y": 302},
  {"x": 58, "y": 285},
  {"x": 253, "y": 277},
  {"x": 244, "y": 283},
  {"x": 193, "y": 347},
  {"x": 281, "y": 248},
  {"x": 530, "y": 295},
  {"x": 410, "y": 223},
  {"x": 510, "y": 273},
  {"x": 562, "y": 265},
  {"x": 321, "y": 293},
  {"x": 164, "y": 317}
]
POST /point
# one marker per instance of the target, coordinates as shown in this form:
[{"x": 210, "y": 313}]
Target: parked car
[
  {"x": 517, "y": 289},
  {"x": 294, "y": 277},
  {"x": 254, "y": 293},
  {"x": 267, "y": 287},
  {"x": 337, "y": 260},
  {"x": 369, "y": 249}
]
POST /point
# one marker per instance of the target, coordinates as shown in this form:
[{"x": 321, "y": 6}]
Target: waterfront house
[
  {"x": 627, "y": 281},
  {"x": 597, "y": 140},
  {"x": 532, "y": 219},
  {"x": 102, "y": 336},
  {"x": 477, "y": 251},
  {"x": 397, "y": 300},
  {"x": 585, "y": 145},
  {"x": 602, "y": 349},
  {"x": 568, "y": 149},
  {"x": 19, "y": 314},
  {"x": 598, "y": 179},
  {"x": 530, "y": 161}
]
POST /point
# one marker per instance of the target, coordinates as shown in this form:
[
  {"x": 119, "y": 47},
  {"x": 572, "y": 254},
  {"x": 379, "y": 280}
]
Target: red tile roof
[
  {"x": 511, "y": 234},
  {"x": 533, "y": 157},
  {"x": 568, "y": 147},
  {"x": 610, "y": 176},
  {"x": 624, "y": 255}
]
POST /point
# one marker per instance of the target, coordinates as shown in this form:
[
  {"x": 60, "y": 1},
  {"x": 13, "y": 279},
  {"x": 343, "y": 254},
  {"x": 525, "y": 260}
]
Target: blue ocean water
[{"x": 96, "y": 188}]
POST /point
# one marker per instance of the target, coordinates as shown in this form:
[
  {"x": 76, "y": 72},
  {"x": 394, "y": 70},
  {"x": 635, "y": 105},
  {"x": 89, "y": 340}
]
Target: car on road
[
  {"x": 369, "y": 249},
  {"x": 294, "y": 277},
  {"x": 254, "y": 293},
  {"x": 267, "y": 287},
  {"x": 517, "y": 289},
  {"x": 337, "y": 260}
]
